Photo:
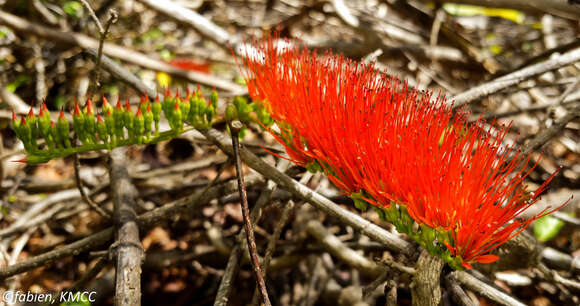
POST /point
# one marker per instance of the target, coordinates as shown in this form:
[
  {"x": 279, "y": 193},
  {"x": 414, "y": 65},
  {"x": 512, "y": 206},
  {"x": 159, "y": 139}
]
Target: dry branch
[
  {"x": 128, "y": 250},
  {"x": 484, "y": 289},
  {"x": 204, "y": 26},
  {"x": 515, "y": 77}
]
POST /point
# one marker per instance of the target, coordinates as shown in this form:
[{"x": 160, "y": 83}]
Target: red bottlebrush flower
[{"x": 371, "y": 133}]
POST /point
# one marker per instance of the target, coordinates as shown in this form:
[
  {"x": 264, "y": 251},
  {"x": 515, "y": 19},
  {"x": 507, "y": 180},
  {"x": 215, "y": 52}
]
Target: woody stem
[{"x": 235, "y": 127}]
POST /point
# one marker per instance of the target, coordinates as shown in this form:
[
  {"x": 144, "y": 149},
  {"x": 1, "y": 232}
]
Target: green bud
[
  {"x": 110, "y": 124},
  {"x": 143, "y": 103},
  {"x": 156, "y": 110},
  {"x": 32, "y": 125},
  {"x": 128, "y": 118},
  {"x": 231, "y": 112},
  {"x": 176, "y": 119},
  {"x": 167, "y": 104},
  {"x": 26, "y": 135},
  {"x": 118, "y": 120},
  {"x": 102, "y": 129},
  {"x": 213, "y": 98},
  {"x": 44, "y": 121},
  {"x": 90, "y": 127},
  {"x": 185, "y": 106},
  {"x": 106, "y": 106},
  {"x": 79, "y": 123},
  {"x": 148, "y": 121},
  {"x": 139, "y": 126},
  {"x": 16, "y": 125},
  {"x": 63, "y": 130},
  {"x": 209, "y": 113}
]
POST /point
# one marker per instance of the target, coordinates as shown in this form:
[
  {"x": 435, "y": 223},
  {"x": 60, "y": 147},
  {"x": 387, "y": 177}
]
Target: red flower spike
[{"x": 370, "y": 132}]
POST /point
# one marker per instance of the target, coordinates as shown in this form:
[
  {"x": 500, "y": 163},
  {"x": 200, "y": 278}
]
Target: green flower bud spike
[{"x": 106, "y": 130}]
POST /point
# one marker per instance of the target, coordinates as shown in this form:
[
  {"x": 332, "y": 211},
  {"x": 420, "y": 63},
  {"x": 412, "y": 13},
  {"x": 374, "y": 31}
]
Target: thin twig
[
  {"x": 235, "y": 128},
  {"x": 484, "y": 289},
  {"x": 547, "y": 134},
  {"x": 113, "y": 16},
  {"x": 101, "y": 211},
  {"x": 95, "y": 18},
  {"x": 515, "y": 77},
  {"x": 232, "y": 267},
  {"x": 92, "y": 273},
  {"x": 271, "y": 247}
]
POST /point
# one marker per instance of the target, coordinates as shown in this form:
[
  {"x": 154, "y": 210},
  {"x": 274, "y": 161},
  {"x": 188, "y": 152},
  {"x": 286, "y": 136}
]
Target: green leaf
[
  {"x": 73, "y": 9},
  {"x": 547, "y": 227},
  {"x": 467, "y": 10}
]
